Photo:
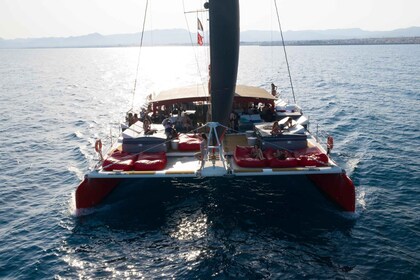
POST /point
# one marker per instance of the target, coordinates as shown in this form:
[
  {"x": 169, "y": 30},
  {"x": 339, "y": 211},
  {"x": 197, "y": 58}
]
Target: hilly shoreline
[{"x": 176, "y": 37}]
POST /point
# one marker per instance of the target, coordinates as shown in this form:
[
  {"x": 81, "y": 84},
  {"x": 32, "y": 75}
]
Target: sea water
[{"x": 55, "y": 103}]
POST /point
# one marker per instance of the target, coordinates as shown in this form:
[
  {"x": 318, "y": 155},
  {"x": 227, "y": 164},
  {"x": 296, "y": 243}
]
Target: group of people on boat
[
  {"x": 257, "y": 153},
  {"x": 131, "y": 119},
  {"x": 278, "y": 129}
]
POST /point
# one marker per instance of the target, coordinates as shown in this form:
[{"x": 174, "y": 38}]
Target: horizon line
[{"x": 164, "y": 29}]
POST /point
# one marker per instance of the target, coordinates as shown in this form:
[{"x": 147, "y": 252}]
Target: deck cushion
[
  {"x": 150, "y": 161},
  {"x": 243, "y": 158},
  {"x": 313, "y": 160},
  {"x": 189, "y": 142},
  {"x": 119, "y": 161},
  {"x": 289, "y": 161}
]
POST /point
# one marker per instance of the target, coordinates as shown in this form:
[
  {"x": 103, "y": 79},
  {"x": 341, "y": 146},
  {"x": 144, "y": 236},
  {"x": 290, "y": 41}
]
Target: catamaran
[{"x": 219, "y": 129}]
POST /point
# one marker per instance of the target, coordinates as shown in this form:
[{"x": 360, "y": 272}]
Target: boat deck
[{"x": 184, "y": 164}]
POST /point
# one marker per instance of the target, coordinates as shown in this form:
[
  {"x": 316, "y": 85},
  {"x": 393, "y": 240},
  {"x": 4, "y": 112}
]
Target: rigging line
[
  {"x": 271, "y": 42},
  {"x": 284, "y": 49},
  {"x": 138, "y": 59},
  {"x": 192, "y": 44}
]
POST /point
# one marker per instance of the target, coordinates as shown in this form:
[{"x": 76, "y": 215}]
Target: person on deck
[
  {"x": 129, "y": 119},
  {"x": 203, "y": 148},
  {"x": 289, "y": 123},
  {"x": 169, "y": 129},
  {"x": 232, "y": 120},
  {"x": 142, "y": 114},
  {"x": 186, "y": 123},
  {"x": 147, "y": 127},
  {"x": 275, "y": 130},
  {"x": 257, "y": 153},
  {"x": 135, "y": 118},
  {"x": 273, "y": 89},
  {"x": 279, "y": 154}
]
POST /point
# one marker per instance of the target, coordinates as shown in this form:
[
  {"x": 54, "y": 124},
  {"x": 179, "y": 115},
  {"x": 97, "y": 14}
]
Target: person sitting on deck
[
  {"x": 257, "y": 153},
  {"x": 147, "y": 127},
  {"x": 186, "y": 123},
  {"x": 279, "y": 154},
  {"x": 203, "y": 147},
  {"x": 232, "y": 120},
  {"x": 129, "y": 119},
  {"x": 169, "y": 129},
  {"x": 275, "y": 130},
  {"x": 135, "y": 118},
  {"x": 289, "y": 123},
  {"x": 273, "y": 89}
]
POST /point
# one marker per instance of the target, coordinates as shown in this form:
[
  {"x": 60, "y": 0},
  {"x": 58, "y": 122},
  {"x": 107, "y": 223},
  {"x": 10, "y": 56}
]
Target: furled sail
[{"x": 224, "y": 55}]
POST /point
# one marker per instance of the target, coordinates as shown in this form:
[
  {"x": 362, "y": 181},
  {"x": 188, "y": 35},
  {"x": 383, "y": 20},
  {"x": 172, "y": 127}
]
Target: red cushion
[
  {"x": 289, "y": 161},
  {"x": 119, "y": 161},
  {"x": 313, "y": 160},
  {"x": 189, "y": 142},
  {"x": 151, "y": 161},
  {"x": 242, "y": 156},
  {"x": 307, "y": 151}
]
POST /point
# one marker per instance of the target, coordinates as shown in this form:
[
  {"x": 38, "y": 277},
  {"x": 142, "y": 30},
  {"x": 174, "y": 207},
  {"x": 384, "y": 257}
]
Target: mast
[{"x": 224, "y": 56}]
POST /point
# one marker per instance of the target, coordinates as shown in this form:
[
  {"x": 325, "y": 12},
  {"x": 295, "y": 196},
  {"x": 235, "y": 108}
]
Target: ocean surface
[{"x": 54, "y": 103}]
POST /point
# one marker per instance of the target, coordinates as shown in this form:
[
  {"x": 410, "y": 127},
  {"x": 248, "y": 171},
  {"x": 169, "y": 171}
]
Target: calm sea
[{"x": 54, "y": 103}]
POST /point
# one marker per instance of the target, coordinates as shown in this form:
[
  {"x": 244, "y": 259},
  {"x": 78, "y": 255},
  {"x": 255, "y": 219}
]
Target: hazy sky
[{"x": 61, "y": 18}]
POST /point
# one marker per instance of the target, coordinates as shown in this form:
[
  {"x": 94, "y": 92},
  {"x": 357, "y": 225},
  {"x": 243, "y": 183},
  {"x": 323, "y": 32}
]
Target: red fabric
[
  {"x": 242, "y": 156},
  {"x": 289, "y": 161},
  {"x": 313, "y": 160},
  {"x": 151, "y": 161},
  {"x": 199, "y": 39},
  {"x": 311, "y": 157},
  {"x": 307, "y": 151},
  {"x": 189, "y": 142},
  {"x": 119, "y": 161}
]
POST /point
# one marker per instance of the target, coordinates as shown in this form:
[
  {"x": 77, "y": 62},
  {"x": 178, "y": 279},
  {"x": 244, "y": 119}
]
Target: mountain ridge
[{"x": 183, "y": 37}]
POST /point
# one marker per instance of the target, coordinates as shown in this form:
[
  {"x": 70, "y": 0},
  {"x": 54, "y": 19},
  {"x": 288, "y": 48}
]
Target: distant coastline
[
  {"x": 364, "y": 41},
  {"x": 181, "y": 37}
]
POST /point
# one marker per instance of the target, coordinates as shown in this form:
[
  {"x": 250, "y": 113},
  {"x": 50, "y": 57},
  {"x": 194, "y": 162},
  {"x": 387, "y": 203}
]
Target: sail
[{"x": 224, "y": 55}]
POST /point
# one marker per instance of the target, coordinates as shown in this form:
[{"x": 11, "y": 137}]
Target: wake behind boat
[{"x": 219, "y": 129}]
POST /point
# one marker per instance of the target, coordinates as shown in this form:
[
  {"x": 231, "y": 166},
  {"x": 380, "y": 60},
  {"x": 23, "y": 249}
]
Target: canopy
[{"x": 200, "y": 93}]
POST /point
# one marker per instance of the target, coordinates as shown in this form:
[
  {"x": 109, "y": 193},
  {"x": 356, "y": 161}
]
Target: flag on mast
[{"x": 200, "y": 32}]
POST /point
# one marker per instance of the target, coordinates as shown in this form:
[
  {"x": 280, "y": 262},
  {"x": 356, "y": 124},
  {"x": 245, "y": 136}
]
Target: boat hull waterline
[{"x": 332, "y": 181}]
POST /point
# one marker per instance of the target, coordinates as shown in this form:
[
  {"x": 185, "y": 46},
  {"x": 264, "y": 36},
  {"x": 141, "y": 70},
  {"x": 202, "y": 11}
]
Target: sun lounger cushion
[
  {"x": 189, "y": 142},
  {"x": 289, "y": 161},
  {"x": 150, "y": 161},
  {"x": 313, "y": 160},
  {"x": 242, "y": 156},
  {"x": 119, "y": 161}
]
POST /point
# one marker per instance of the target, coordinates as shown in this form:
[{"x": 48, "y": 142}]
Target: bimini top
[{"x": 200, "y": 93}]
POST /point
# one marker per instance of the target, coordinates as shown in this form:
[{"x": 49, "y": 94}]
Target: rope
[
  {"x": 284, "y": 49},
  {"x": 138, "y": 59}
]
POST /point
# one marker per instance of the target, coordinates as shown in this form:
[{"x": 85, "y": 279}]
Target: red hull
[
  {"x": 91, "y": 192},
  {"x": 338, "y": 187}
]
